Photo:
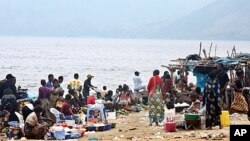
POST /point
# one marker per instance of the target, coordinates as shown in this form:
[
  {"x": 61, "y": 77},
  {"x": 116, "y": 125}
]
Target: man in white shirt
[{"x": 138, "y": 84}]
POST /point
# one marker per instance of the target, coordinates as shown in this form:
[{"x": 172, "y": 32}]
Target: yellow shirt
[{"x": 75, "y": 84}]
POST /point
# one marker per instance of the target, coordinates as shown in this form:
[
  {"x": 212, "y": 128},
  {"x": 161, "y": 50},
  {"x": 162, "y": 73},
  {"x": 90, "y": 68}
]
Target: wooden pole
[
  {"x": 215, "y": 50},
  {"x": 172, "y": 73},
  {"x": 234, "y": 51},
  {"x": 231, "y": 76},
  {"x": 233, "y": 54},
  {"x": 200, "y": 49},
  {"x": 210, "y": 49},
  {"x": 205, "y": 54}
]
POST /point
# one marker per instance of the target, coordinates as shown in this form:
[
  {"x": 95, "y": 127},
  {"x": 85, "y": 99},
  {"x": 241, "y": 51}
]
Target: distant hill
[
  {"x": 95, "y": 18},
  {"x": 220, "y": 20},
  {"x": 166, "y": 19}
]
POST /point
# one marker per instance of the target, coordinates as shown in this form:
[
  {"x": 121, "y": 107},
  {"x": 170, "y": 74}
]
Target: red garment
[
  {"x": 153, "y": 82},
  {"x": 167, "y": 85},
  {"x": 91, "y": 100},
  {"x": 124, "y": 96},
  {"x": 66, "y": 109}
]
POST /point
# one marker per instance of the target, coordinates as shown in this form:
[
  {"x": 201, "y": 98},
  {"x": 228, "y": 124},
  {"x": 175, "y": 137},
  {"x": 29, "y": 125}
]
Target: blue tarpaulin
[
  {"x": 201, "y": 80},
  {"x": 227, "y": 61}
]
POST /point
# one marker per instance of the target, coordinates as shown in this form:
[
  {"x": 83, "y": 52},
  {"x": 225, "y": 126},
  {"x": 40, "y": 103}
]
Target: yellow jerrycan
[{"x": 224, "y": 119}]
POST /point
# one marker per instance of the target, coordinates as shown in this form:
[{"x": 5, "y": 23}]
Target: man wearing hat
[
  {"x": 86, "y": 87},
  {"x": 138, "y": 84}
]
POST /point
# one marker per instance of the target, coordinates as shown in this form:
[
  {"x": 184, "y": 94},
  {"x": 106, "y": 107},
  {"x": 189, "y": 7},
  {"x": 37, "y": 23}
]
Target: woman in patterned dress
[
  {"x": 213, "y": 101},
  {"x": 155, "y": 95}
]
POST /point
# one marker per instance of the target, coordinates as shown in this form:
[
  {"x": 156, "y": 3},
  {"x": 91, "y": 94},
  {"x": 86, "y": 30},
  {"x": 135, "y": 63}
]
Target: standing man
[
  {"x": 223, "y": 81},
  {"x": 60, "y": 79},
  {"x": 86, "y": 87},
  {"x": 138, "y": 82},
  {"x": 75, "y": 84},
  {"x": 138, "y": 86},
  {"x": 49, "y": 84}
]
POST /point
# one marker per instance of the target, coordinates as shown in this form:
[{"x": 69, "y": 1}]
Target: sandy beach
[{"x": 136, "y": 127}]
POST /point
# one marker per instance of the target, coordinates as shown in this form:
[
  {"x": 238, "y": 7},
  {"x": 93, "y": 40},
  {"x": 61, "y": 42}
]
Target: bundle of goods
[
  {"x": 179, "y": 107},
  {"x": 66, "y": 130}
]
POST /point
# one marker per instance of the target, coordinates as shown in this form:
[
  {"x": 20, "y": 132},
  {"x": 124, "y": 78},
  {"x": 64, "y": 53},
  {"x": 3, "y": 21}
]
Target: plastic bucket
[{"x": 170, "y": 127}]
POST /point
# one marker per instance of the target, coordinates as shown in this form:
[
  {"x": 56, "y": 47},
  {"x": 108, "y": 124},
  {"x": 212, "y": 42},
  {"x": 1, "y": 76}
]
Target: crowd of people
[
  {"x": 208, "y": 103},
  {"x": 160, "y": 92},
  {"x": 51, "y": 94}
]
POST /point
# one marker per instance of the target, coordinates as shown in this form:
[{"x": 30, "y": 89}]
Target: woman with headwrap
[{"x": 155, "y": 95}]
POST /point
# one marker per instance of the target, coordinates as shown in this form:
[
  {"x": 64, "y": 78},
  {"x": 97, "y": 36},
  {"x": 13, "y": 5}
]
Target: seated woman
[
  {"x": 193, "y": 100},
  {"x": 4, "y": 115},
  {"x": 27, "y": 109},
  {"x": 32, "y": 129},
  {"x": 247, "y": 97},
  {"x": 108, "y": 96},
  {"x": 195, "y": 107},
  {"x": 125, "y": 97},
  {"x": 239, "y": 103},
  {"x": 75, "y": 102},
  {"x": 64, "y": 106},
  {"x": 10, "y": 99}
]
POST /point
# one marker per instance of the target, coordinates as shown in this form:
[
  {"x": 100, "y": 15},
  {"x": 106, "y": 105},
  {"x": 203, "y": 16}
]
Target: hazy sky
[{"x": 120, "y": 14}]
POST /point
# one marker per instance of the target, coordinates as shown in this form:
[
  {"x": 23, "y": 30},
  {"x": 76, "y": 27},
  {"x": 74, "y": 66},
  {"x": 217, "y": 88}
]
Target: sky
[{"x": 96, "y": 14}]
